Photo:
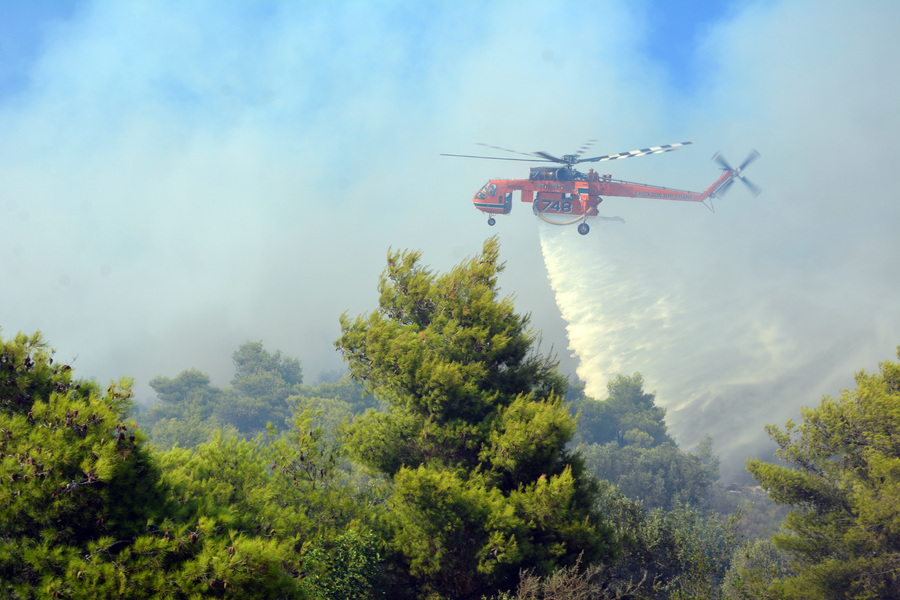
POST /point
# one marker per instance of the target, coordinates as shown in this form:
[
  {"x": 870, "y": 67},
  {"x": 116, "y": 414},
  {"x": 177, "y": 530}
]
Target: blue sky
[
  {"x": 23, "y": 28},
  {"x": 672, "y": 28},
  {"x": 179, "y": 178}
]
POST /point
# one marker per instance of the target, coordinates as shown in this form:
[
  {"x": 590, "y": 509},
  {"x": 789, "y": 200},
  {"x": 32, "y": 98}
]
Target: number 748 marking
[{"x": 560, "y": 206}]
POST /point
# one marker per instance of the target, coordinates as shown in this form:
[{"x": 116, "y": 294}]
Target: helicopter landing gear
[
  {"x": 492, "y": 221},
  {"x": 584, "y": 228}
]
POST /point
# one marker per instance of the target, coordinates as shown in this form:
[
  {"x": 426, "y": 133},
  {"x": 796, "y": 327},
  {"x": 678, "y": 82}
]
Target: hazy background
[{"x": 179, "y": 178}]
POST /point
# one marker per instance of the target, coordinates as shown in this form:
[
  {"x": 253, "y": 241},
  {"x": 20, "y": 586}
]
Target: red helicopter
[{"x": 564, "y": 196}]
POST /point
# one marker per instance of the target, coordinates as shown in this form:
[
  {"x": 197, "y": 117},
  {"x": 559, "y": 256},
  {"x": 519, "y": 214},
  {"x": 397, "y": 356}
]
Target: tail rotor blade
[
  {"x": 722, "y": 162},
  {"x": 754, "y": 189},
  {"x": 725, "y": 187},
  {"x": 733, "y": 174},
  {"x": 750, "y": 158}
]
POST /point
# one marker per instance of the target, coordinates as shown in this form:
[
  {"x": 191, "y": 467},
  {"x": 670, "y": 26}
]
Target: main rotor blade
[
  {"x": 497, "y": 158},
  {"x": 504, "y": 149},
  {"x": 750, "y": 158},
  {"x": 584, "y": 148},
  {"x": 754, "y": 189},
  {"x": 641, "y": 152},
  {"x": 624, "y": 155},
  {"x": 722, "y": 162},
  {"x": 549, "y": 157}
]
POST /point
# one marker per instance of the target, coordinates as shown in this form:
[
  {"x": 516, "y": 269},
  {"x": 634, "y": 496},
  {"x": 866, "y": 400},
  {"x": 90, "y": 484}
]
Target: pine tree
[
  {"x": 629, "y": 415},
  {"x": 85, "y": 511},
  {"x": 475, "y": 435},
  {"x": 74, "y": 470},
  {"x": 842, "y": 479}
]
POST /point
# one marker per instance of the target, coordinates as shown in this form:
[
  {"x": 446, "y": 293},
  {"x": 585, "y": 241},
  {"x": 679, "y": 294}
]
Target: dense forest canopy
[{"x": 453, "y": 461}]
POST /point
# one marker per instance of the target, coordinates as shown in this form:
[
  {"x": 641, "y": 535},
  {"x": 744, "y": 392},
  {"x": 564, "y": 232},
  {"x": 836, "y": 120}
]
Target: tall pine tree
[
  {"x": 842, "y": 479},
  {"x": 475, "y": 435}
]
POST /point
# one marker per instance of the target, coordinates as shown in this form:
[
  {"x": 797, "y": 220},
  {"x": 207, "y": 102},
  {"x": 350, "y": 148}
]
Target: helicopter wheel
[
  {"x": 492, "y": 221},
  {"x": 584, "y": 228}
]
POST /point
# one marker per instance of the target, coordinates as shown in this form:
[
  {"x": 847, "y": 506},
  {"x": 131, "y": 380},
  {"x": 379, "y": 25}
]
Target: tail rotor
[{"x": 737, "y": 174}]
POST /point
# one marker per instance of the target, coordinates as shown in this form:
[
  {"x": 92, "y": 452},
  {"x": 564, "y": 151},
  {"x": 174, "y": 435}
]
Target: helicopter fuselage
[
  {"x": 571, "y": 195},
  {"x": 562, "y": 195}
]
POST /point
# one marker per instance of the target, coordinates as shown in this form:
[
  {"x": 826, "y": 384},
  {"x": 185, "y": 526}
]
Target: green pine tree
[
  {"x": 842, "y": 478},
  {"x": 475, "y": 435},
  {"x": 87, "y": 512}
]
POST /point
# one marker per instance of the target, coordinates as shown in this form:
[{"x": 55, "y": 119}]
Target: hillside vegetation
[{"x": 452, "y": 461}]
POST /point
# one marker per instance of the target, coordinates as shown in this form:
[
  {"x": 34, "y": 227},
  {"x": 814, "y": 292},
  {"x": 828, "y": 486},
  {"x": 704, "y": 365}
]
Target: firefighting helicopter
[{"x": 564, "y": 196}]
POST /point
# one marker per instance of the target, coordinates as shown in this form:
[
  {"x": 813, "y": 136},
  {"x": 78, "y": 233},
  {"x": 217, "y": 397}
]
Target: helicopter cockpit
[{"x": 487, "y": 190}]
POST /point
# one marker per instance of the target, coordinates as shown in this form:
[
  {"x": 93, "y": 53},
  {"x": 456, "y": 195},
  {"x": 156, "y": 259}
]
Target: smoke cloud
[
  {"x": 177, "y": 179},
  {"x": 737, "y": 319}
]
